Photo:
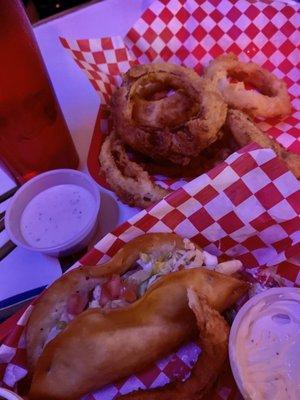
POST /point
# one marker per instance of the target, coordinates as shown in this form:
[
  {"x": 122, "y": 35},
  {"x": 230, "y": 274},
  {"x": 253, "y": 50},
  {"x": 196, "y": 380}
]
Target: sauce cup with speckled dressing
[
  {"x": 264, "y": 345},
  {"x": 54, "y": 213}
]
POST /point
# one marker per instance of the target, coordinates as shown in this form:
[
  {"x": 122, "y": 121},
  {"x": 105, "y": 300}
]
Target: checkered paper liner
[
  {"x": 192, "y": 33},
  {"x": 247, "y": 207}
]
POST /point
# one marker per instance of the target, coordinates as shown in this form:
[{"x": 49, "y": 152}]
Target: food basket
[
  {"x": 192, "y": 33},
  {"x": 247, "y": 207}
]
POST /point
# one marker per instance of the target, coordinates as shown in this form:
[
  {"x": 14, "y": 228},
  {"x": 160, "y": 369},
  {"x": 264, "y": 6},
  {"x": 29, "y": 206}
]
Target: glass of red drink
[{"x": 33, "y": 133}]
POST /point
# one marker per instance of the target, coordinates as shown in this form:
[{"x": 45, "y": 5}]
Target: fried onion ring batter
[
  {"x": 245, "y": 131},
  {"x": 213, "y": 340},
  {"x": 273, "y": 99},
  {"x": 167, "y": 112},
  {"x": 207, "y": 159},
  {"x": 130, "y": 181}
]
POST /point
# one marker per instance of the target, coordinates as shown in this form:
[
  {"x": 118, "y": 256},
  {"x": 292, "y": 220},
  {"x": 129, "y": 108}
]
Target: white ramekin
[
  {"x": 282, "y": 293},
  {"x": 35, "y": 186}
]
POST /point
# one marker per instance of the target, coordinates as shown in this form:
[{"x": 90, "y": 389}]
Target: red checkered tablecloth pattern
[
  {"x": 192, "y": 33},
  {"x": 247, "y": 207},
  {"x": 103, "y": 61}
]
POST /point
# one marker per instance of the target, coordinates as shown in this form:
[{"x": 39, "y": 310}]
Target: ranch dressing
[
  {"x": 268, "y": 348},
  {"x": 56, "y": 215}
]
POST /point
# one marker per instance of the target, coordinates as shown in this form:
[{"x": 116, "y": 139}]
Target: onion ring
[
  {"x": 167, "y": 112},
  {"x": 273, "y": 99},
  {"x": 213, "y": 340},
  {"x": 128, "y": 179},
  {"x": 245, "y": 131},
  {"x": 207, "y": 159}
]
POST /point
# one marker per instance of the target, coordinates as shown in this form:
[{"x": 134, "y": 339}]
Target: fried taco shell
[
  {"x": 98, "y": 348},
  {"x": 54, "y": 301}
]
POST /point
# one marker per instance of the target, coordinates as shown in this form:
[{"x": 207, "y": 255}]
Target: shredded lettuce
[
  {"x": 153, "y": 268},
  {"x": 95, "y": 302}
]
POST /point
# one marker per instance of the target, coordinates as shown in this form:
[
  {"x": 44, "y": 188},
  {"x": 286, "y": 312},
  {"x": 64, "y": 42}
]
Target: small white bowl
[
  {"x": 39, "y": 184},
  {"x": 267, "y": 304},
  {"x": 8, "y": 395}
]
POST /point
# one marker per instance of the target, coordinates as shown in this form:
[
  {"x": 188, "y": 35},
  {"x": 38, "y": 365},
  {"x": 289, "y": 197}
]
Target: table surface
[{"x": 23, "y": 270}]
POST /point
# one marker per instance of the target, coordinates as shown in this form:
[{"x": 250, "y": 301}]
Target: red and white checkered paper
[
  {"x": 191, "y": 33},
  {"x": 247, "y": 207}
]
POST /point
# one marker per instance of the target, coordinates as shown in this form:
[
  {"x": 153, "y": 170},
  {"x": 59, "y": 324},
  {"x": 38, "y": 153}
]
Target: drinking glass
[{"x": 33, "y": 133}]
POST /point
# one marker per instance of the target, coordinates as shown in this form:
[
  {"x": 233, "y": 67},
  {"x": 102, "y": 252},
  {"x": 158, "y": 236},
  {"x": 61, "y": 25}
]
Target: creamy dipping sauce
[
  {"x": 267, "y": 347},
  {"x": 56, "y": 215}
]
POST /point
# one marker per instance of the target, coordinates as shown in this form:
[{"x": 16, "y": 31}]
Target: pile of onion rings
[{"x": 178, "y": 124}]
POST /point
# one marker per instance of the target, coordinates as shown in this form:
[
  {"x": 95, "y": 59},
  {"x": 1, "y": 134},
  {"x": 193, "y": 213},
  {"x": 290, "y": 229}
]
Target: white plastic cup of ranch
[
  {"x": 54, "y": 213},
  {"x": 8, "y": 395},
  {"x": 264, "y": 346}
]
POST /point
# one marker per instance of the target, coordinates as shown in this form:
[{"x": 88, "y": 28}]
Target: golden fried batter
[
  {"x": 213, "y": 340},
  {"x": 131, "y": 183},
  {"x": 167, "y": 112},
  {"x": 273, "y": 99},
  {"x": 79, "y": 359},
  {"x": 245, "y": 131}
]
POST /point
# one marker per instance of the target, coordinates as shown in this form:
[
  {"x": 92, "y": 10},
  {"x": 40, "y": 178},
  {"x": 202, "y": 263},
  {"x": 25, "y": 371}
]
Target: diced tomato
[
  {"x": 110, "y": 290},
  {"x": 129, "y": 292},
  {"x": 114, "y": 287},
  {"x": 105, "y": 296},
  {"x": 77, "y": 303}
]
